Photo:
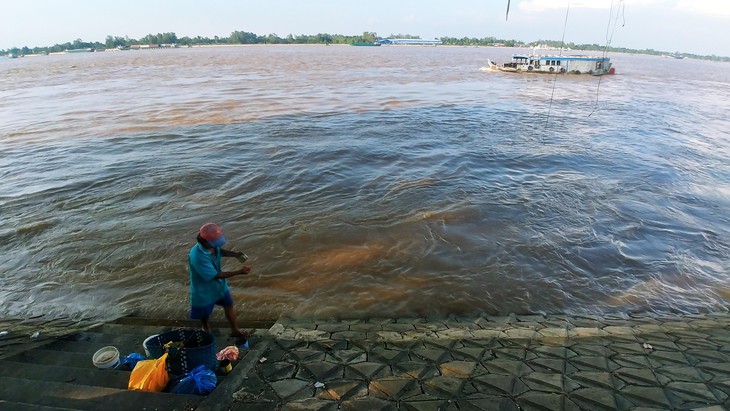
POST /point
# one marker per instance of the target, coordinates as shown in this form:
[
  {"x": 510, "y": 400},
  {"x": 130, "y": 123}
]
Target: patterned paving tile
[
  {"x": 633, "y": 348},
  {"x": 507, "y": 367},
  {"x": 439, "y": 344},
  {"x": 443, "y": 387},
  {"x": 592, "y": 349},
  {"x": 549, "y": 352},
  {"x": 489, "y": 403},
  {"x": 637, "y": 377},
  {"x": 342, "y": 390},
  {"x": 660, "y": 342},
  {"x": 394, "y": 388},
  {"x": 590, "y": 379},
  {"x": 666, "y": 358},
  {"x": 696, "y": 356},
  {"x": 721, "y": 370},
  {"x": 369, "y": 404},
  {"x": 320, "y": 371},
  {"x": 534, "y": 400},
  {"x": 292, "y": 389},
  {"x": 367, "y": 371},
  {"x": 278, "y": 370},
  {"x": 545, "y": 382},
  {"x": 458, "y": 369},
  {"x": 312, "y": 404},
  {"x": 493, "y": 384},
  {"x": 683, "y": 373},
  {"x": 469, "y": 353},
  {"x": 518, "y": 362},
  {"x": 366, "y": 327},
  {"x": 348, "y": 335},
  {"x": 722, "y": 386},
  {"x": 590, "y": 363},
  {"x": 435, "y": 356},
  {"x": 547, "y": 365},
  {"x": 594, "y": 398},
  {"x": 386, "y": 356},
  {"x": 631, "y": 361},
  {"x": 428, "y": 405},
  {"x": 415, "y": 369},
  {"x": 307, "y": 354},
  {"x": 690, "y": 395},
  {"x": 346, "y": 356},
  {"x": 646, "y": 397},
  {"x": 518, "y": 354},
  {"x": 333, "y": 327},
  {"x": 488, "y": 343}
]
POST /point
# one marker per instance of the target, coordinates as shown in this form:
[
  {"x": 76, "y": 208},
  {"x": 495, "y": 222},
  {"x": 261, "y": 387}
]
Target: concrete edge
[
  {"x": 221, "y": 398},
  {"x": 45, "y": 339}
]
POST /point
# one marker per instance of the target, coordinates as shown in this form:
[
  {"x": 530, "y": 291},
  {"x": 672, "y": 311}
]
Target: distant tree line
[{"x": 244, "y": 37}]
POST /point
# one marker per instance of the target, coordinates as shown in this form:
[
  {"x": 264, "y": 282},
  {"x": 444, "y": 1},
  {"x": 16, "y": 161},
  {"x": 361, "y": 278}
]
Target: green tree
[
  {"x": 369, "y": 37},
  {"x": 242, "y": 37}
]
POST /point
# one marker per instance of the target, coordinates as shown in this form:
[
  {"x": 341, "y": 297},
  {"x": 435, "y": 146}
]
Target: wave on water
[{"x": 366, "y": 189}]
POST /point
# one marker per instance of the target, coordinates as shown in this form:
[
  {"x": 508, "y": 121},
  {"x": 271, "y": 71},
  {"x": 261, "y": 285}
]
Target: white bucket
[
  {"x": 144, "y": 345},
  {"x": 106, "y": 358}
]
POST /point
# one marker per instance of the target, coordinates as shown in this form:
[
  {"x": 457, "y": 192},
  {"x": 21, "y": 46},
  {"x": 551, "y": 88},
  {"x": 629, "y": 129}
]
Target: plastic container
[
  {"x": 226, "y": 366},
  {"x": 106, "y": 358},
  {"x": 198, "y": 349},
  {"x": 145, "y": 345}
]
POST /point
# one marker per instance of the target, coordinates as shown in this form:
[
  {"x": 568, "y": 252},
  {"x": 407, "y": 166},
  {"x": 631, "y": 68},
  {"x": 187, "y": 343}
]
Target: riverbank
[
  {"x": 517, "y": 362},
  {"x": 508, "y": 363}
]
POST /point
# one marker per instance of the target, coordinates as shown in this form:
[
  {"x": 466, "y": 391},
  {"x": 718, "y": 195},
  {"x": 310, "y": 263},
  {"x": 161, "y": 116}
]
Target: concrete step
[
  {"x": 85, "y": 376},
  {"x": 58, "y": 395},
  {"x": 129, "y": 343},
  {"x": 49, "y": 357},
  {"x": 118, "y": 339},
  {"x": 144, "y": 331},
  {"x": 59, "y": 373},
  {"x": 21, "y": 406},
  {"x": 124, "y": 344}
]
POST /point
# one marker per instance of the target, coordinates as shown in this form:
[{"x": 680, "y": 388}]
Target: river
[{"x": 363, "y": 182}]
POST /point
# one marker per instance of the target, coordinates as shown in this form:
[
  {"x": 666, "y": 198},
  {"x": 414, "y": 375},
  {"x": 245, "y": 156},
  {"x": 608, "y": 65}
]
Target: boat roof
[{"x": 551, "y": 57}]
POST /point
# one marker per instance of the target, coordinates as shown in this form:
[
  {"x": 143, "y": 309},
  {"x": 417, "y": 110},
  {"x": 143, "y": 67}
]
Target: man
[{"x": 208, "y": 282}]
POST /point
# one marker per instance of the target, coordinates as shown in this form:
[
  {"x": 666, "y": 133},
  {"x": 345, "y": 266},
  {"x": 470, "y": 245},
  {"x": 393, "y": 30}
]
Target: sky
[{"x": 685, "y": 26}]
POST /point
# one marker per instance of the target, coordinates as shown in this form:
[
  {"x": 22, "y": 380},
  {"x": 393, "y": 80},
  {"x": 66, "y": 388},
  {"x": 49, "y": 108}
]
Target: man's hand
[{"x": 244, "y": 270}]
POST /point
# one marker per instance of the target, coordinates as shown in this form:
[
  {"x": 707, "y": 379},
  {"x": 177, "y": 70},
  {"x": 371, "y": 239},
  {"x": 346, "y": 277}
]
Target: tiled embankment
[{"x": 506, "y": 363}]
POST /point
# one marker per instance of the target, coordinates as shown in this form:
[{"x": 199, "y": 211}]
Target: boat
[
  {"x": 84, "y": 50},
  {"x": 365, "y": 44},
  {"x": 536, "y": 63}
]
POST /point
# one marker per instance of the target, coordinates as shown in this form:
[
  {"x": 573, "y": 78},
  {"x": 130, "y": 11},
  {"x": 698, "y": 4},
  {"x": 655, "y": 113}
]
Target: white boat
[{"x": 535, "y": 63}]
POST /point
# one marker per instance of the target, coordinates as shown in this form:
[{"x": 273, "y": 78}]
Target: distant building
[{"x": 410, "y": 42}]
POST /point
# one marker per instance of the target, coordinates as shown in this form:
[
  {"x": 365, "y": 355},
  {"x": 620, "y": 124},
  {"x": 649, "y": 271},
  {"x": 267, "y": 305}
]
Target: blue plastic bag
[
  {"x": 132, "y": 359},
  {"x": 199, "y": 381}
]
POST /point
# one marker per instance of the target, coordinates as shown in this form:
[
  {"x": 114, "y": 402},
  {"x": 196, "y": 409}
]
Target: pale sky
[{"x": 687, "y": 26}]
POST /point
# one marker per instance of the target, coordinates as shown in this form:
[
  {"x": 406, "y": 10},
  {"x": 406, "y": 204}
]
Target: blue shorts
[{"x": 204, "y": 311}]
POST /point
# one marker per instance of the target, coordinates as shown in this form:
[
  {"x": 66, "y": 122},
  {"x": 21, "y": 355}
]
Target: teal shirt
[{"x": 205, "y": 289}]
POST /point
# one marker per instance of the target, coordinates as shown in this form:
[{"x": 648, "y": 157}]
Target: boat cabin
[{"x": 559, "y": 64}]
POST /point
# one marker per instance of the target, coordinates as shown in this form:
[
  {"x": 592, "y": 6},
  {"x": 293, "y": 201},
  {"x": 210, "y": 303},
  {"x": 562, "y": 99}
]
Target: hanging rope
[
  {"x": 620, "y": 10},
  {"x": 507, "y": 15},
  {"x": 555, "y": 79}
]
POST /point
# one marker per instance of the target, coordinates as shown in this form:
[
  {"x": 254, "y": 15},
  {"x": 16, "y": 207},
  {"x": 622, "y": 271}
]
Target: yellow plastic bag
[{"x": 149, "y": 375}]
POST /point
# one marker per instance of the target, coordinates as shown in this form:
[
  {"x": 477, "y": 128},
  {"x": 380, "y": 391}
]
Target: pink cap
[{"x": 213, "y": 234}]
